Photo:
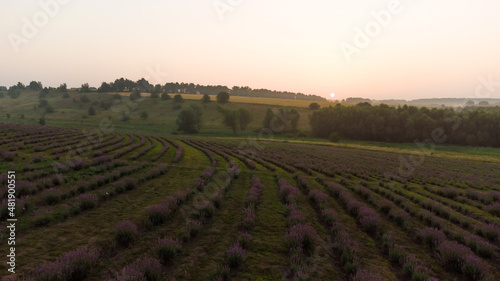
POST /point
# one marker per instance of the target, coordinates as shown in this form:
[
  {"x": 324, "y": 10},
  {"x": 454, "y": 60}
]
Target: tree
[
  {"x": 230, "y": 118},
  {"x": 65, "y": 95},
  {"x": 205, "y": 98},
  {"x": 178, "y": 99},
  {"x": 63, "y": 88},
  {"x": 35, "y": 86},
  {"x": 20, "y": 86},
  {"x": 144, "y": 115},
  {"x": 245, "y": 117},
  {"x": 483, "y": 103},
  {"x": 44, "y": 93},
  {"x": 268, "y": 118},
  {"x": 189, "y": 120},
  {"x": 314, "y": 106},
  {"x": 136, "y": 94},
  {"x": 92, "y": 111},
  {"x": 285, "y": 120},
  {"x": 165, "y": 96},
  {"x": 8, "y": 116},
  {"x": 85, "y": 88},
  {"x": 223, "y": 97},
  {"x": 105, "y": 88},
  {"x": 14, "y": 93},
  {"x": 41, "y": 121}
]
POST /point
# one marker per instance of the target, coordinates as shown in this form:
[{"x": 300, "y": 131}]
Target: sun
[{"x": 332, "y": 95}]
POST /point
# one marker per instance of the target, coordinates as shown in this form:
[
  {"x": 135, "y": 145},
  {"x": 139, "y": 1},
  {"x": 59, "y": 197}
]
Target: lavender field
[{"x": 127, "y": 206}]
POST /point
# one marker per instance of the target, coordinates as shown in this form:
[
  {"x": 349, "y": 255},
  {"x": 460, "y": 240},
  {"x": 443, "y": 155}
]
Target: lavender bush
[
  {"x": 125, "y": 232},
  {"x": 147, "y": 269},
  {"x": 235, "y": 255},
  {"x": 167, "y": 249},
  {"x": 70, "y": 266},
  {"x": 301, "y": 235}
]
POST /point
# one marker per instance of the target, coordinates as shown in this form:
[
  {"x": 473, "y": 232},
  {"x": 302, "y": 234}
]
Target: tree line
[
  {"x": 469, "y": 126},
  {"x": 126, "y": 85}
]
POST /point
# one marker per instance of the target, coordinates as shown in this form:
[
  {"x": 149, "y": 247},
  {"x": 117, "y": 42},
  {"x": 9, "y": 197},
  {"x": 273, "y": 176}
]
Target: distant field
[
  {"x": 252, "y": 100},
  {"x": 70, "y": 113}
]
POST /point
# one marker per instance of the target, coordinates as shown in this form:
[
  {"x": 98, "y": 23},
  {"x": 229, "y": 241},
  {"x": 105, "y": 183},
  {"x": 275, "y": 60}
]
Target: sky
[{"x": 390, "y": 49}]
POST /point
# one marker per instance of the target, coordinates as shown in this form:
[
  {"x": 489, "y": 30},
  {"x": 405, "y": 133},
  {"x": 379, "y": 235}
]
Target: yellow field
[{"x": 266, "y": 101}]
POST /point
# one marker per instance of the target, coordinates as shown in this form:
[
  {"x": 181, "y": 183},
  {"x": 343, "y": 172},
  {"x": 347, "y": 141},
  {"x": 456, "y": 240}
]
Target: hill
[{"x": 71, "y": 111}]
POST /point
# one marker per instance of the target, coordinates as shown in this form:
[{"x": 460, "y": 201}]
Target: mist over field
[{"x": 250, "y": 140}]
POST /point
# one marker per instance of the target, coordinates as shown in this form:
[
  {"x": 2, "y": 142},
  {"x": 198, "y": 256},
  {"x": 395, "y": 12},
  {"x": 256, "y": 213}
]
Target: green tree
[
  {"x": 44, "y": 93},
  {"x": 136, "y": 94},
  {"x": 245, "y": 117},
  {"x": 165, "y": 96},
  {"x": 35, "y": 86},
  {"x": 14, "y": 93},
  {"x": 41, "y": 121},
  {"x": 189, "y": 120},
  {"x": 85, "y": 88},
  {"x": 314, "y": 106},
  {"x": 144, "y": 115},
  {"x": 63, "y": 88},
  {"x": 92, "y": 111},
  {"x": 223, "y": 97},
  {"x": 283, "y": 121},
  {"x": 205, "y": 98},
  {"x": 178, "y": 99},
  {"x": 230, "y": 118}
]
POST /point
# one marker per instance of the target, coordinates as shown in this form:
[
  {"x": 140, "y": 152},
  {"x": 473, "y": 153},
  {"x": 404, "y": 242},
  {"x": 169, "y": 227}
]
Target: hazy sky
[{"x": 420, "y": 49}]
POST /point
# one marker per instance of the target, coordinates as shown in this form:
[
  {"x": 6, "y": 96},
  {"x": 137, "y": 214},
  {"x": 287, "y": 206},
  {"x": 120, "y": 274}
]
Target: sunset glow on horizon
[{"x": 372, "y": 49}]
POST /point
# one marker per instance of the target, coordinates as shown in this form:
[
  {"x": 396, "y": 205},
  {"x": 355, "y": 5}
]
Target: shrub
[
  {"x": 52, "y": 196},
  {"x": 248, "y": 220},
  {"x": 194, "y": 227},
  {"x": 453, "y": 254},
  {"x": 235, "y": 255},
  {"x": 87, "y": 201},
  {"x": 365, "y": 275},
  {"x": 125, "y": 232},
  {"x": 157, "y": 214},
  {"x": 399, "y": 216},
  {"x": 301, "y": 235},
  {"x": 474, "y": 268},
  {"x": 493, "y": 209},
  {"x": 70, "y": 266},
  {"x": 369, "y": 219},
  {"x": 347, "y": 250},
  {"x": 319, "y": 198},
  {"x": 295, "y": 216},
  {"x": 147, "y": 269},
  {"x": 167, "y": 249},
  {"x": 431, "y": 236},
  {"x": 244, "y": 239},
  {"x": 329, "y": 216}
]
